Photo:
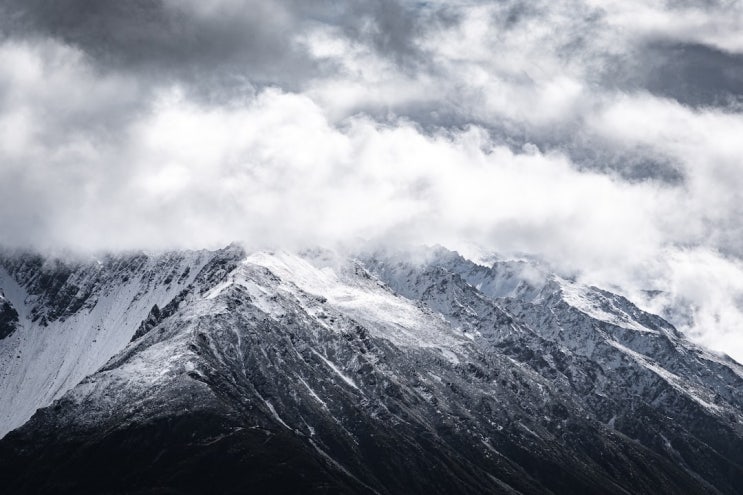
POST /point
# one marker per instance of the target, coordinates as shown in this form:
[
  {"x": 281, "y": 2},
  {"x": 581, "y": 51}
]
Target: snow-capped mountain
[
  {"x": 64, "y": 320},
  {"x": 384, "y": 372}
]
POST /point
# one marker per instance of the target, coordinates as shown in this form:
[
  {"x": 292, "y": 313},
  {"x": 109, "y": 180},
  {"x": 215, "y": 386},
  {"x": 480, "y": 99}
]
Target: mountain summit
[{"x": 385, "y": 372}]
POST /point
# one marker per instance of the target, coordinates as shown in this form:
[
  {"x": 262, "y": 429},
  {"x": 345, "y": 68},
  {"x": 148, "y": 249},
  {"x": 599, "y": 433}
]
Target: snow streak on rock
[{"x": 402, "y": 372}]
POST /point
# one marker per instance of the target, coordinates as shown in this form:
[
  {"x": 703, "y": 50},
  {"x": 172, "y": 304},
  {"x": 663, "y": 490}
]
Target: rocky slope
[
  {"x": 380, "y": 373},
  {"x": 62, "y": 320}
]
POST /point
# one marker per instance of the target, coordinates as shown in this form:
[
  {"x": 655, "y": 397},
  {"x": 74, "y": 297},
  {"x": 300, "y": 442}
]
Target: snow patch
[
  {"x": 586, "y": 301},
  {"x": 333, "y": 367},
  {"x": 674, "y": 380}
]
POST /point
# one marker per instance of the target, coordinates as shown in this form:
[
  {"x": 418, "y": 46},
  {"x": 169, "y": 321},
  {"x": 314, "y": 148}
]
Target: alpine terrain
[{"x": 385, "y": 372}]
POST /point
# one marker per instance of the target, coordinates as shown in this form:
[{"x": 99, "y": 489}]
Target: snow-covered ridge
[
  {"x": 590, "y": 301},
  {"x": 587, "y": 321},
  {"x": 54, "y": 348},
  {"x": 347, "y": 355},
  {"x": 346, "y": 286}
]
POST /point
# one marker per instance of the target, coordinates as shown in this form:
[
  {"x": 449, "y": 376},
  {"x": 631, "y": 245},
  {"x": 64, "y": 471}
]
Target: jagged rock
[{"x": 384, "y": 373}]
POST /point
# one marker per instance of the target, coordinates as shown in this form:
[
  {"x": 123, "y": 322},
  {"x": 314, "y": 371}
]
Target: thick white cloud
[
  {"x": 716, "y": 23},
  {"x": 466, "y": 123}
]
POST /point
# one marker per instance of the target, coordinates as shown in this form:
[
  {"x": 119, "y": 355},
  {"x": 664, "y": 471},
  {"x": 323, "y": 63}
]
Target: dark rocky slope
[{"x": 276, "y": 373}]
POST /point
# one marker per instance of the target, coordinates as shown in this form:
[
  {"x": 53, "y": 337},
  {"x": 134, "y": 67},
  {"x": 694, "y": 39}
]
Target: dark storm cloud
[
  {"x": 228, "y": 45},
  {"x": 165, "y": 38},
  {"x": 693, "y": 74},
  {"x": 227, "y": 48},
  {"x": 215, "y": 46},
  {"x": 388, "y": 25}
]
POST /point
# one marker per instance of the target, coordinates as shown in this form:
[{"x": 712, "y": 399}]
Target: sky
[{"x": 603, "y": 137}]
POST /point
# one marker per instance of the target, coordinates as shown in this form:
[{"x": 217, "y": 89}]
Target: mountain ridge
[{"x": 387, "y": 373}]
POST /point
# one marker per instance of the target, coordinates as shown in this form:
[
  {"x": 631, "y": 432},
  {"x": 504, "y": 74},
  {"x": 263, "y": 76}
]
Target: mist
[{"x": 600, "y": 137}]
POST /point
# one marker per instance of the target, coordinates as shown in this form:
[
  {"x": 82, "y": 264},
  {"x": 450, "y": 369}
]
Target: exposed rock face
[
  {"x": 73, "y": 316},
  {"x": 283, "y": 373},
  {"x": 8, "y": 318}
]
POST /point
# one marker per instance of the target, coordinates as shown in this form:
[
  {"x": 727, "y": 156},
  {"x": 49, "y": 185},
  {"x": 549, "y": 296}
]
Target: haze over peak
[{"x": 601, "y": 137}]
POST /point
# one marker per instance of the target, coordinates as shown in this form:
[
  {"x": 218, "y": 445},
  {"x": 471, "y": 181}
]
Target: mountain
[
  {"x": 412, "y": 371},
  {"x": 61, "y": 321}
]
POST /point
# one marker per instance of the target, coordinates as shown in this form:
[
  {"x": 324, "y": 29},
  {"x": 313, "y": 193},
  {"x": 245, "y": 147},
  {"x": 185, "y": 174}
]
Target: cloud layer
[{"x": 603, "y": 136}]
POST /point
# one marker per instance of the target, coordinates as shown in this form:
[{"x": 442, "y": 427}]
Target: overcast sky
[{"x": 605, "y": 137}]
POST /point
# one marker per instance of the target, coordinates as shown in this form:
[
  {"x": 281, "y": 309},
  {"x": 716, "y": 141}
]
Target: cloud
[
  {"x": 556, "y": 129},
  {"x": 693, "y": 74},
  {"x": 714, "y": 23}
]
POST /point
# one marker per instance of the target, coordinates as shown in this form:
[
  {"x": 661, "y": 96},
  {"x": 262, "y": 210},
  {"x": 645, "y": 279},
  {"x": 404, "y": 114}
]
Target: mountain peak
[{"x": 382, "y": 372}]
